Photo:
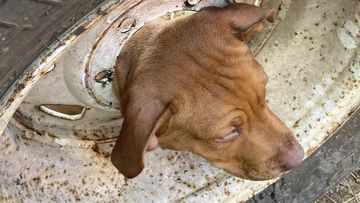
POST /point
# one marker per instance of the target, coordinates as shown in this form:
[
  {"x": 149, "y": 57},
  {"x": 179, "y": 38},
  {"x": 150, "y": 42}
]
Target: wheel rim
[{"x": 314, "y": 108}]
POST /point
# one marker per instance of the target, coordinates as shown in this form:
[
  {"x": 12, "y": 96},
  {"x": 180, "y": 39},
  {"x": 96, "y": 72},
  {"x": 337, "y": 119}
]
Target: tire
[{"x": 27, "y": 27}]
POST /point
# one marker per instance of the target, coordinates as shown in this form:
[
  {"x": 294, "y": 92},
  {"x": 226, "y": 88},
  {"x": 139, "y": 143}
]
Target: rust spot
[
  {"x": 104, "y": 77},
  {"x": 80, "y": 30}
]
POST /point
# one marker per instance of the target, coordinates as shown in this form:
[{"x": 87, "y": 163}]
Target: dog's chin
[
  {"x": 255, "y": 175},
  {"x": 261, "y": 177}
]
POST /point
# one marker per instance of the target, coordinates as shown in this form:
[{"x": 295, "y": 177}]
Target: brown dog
[{"x": 195, "y": 85}]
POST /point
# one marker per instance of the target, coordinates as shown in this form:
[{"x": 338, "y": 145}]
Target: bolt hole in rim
[{"x": 314, "y": 111}]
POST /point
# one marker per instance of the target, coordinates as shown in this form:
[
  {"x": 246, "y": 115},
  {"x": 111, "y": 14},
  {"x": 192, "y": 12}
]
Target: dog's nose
[{"x": 292, "y": 158}]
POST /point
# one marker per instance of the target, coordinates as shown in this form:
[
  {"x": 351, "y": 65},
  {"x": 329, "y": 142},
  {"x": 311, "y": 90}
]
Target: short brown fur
[{"x": 195, "y": 85}]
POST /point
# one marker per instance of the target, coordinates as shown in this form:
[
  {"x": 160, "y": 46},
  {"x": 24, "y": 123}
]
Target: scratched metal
[{"x": 313, "y": 62}]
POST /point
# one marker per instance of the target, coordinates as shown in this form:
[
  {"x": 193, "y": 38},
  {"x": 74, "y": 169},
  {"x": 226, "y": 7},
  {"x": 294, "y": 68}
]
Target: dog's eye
[{"x": 231, "y": 136}]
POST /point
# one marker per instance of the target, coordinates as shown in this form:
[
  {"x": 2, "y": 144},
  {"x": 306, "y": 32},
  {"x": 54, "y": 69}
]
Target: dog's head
[{"x": 196, "y": 86}]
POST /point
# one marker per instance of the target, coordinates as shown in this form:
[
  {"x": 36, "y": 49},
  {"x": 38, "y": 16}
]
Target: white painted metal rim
[{"x": 312, "y": 59}]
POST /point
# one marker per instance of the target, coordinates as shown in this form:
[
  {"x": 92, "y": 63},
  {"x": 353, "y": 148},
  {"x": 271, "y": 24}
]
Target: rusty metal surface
[
  {"x": 83, "y": 73},
  {"x": 313, "y": 62},
  {"x": 43, "y": 64}
]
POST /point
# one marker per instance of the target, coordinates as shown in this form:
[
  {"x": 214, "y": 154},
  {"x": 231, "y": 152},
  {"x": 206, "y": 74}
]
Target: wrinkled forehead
[
  {"x": 208, "y": 105},
  {"x": 206, "y": 108},
  {"x": 215, "y": 102},
  {"x": 210, "y": 112},
  {"x": 253, "y": 71}
]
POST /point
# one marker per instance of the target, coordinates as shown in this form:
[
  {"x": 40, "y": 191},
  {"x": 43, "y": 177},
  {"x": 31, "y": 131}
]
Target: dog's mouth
[
  {"x": 264, "y": 170},
  {"x": 258, "y": 176},
  {"x": 273, "y": 171}
]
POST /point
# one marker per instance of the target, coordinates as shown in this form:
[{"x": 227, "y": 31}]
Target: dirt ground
[{"x": 347, "y": 191}]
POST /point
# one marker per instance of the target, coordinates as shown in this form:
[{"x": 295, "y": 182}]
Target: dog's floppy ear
[
  {"x": 244, "y": 19},
  {"x": 143, "y": 113}
]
